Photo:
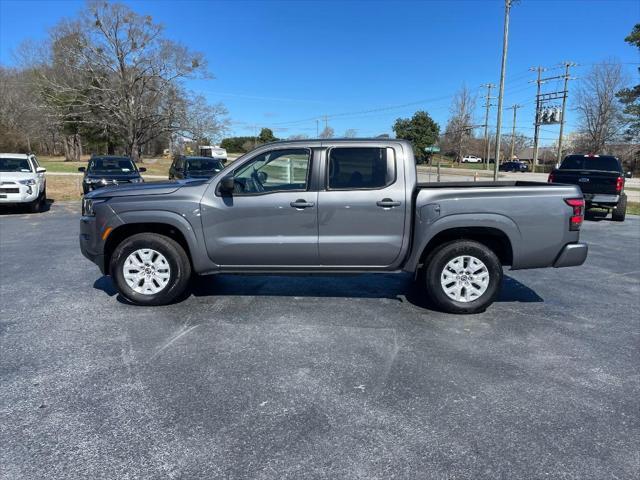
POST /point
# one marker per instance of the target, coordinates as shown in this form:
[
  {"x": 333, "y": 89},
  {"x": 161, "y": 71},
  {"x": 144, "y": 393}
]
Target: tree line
[{"x": 108, "y": 81}]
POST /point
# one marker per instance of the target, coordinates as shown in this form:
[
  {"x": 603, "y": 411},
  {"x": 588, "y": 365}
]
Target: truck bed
[{"x": 481, "y": 184}]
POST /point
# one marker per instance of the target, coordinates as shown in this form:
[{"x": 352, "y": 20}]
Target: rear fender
[{"x": 425, "y": 232}]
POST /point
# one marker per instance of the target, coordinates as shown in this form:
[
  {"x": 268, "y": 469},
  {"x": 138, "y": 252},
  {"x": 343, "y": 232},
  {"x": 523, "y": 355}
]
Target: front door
[
  {"x": 271, "y": 219},
  {"x": 362, "y": 210}
]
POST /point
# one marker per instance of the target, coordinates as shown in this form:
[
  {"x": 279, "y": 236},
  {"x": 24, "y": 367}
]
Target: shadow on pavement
[
  {"x": 18, "y": 209},
  {"x": 596, "y": 215},
  {"x": 399, "y": 287}
]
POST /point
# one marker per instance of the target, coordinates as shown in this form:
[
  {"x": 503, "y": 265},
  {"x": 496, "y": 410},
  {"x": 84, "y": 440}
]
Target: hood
[
  {"x": 113, "y": 176},
  {"x": 15, "y": 176},
  {"x": 147, "y": 188},
  {"x": 202, "y": 173}
]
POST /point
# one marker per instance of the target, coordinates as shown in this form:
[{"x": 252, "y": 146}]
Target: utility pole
[
  {"x": 486, "y": 121},
  {"x": 505, "y": 44},
  {"x": 513, "y": 129},
  {"x": 536, "y": 130},
  {"x": 567, "y": 66},
  {"x": 317, "y": 127}
]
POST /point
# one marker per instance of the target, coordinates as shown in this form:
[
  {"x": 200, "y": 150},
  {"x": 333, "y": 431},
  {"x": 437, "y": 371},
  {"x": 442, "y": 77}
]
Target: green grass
[{"x": 633, "y": 208}]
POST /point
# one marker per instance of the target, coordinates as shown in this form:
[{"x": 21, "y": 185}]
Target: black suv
[
  {"x": 514, "y": 167},
  {"x": 109, "y": 170},
  {"x": 194, "y": 167}
]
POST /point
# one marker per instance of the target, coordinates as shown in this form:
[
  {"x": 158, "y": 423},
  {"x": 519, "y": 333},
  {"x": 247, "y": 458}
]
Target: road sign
[{"x": 432, "y": 149}]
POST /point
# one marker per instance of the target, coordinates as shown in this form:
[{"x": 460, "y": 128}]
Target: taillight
[
  {"x": 578, "y": 212},
  {"x": 551, "y": 178},
  {"x": 619, "y": 184}
]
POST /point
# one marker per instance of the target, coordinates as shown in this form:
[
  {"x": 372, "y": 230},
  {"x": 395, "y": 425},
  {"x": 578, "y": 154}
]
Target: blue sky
[{"x": 285, "y": 64}]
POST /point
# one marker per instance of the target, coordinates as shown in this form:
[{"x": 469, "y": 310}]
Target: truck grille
[{"x": 9, "y": 190}]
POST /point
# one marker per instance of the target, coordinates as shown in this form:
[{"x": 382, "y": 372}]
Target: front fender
[{"x": 192, "y": 235}]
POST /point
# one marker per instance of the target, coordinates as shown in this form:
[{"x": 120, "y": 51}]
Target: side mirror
[
  {"x": 142, "y": 169},
  {"x": 82, "y": 169},
  {"x": 628, "y": 175},
  {"x": 226, "y": 184},
  {"x": 41, "y": 170}
]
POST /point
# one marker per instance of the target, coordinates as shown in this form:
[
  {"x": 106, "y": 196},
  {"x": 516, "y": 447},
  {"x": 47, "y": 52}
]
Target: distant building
[{"x": 545, "y": 155}]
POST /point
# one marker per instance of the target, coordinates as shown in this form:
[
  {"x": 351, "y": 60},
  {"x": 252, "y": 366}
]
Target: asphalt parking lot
[{"x": 316, "y": 377}]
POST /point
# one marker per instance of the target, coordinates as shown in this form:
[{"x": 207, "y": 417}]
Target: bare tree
[
  {"x": 459, "y": 127},
  {"x": 115, "y": 67},
  {"x": 328, "y": 132},
  {"x": 300, "y": 136},
  {"x": 204, "y": 122},
  {"x": 599, "y": 111},
  {"x": 350, "y": 133}
]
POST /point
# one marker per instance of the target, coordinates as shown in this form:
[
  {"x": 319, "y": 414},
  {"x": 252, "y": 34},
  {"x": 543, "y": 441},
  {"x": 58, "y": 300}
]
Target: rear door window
[{"x": 360, "y": 168}]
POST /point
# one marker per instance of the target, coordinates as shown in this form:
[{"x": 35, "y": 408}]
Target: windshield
[
  {"x": 14, "y": 165},
  {"x": 202, "y": 164},
  {"x": 111, "y": 165},
  {"x": 577, "y": 162}
]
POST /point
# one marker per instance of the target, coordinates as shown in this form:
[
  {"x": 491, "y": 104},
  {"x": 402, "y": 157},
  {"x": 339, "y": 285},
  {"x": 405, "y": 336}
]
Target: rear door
[{"x": 362, "y": 208}]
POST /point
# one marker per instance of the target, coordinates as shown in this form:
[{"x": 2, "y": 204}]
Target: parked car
[
  {"x": 214, "y": 151},
  {"x": 194, "y": 167},
  {"x": 22, "y": 181},
  {"x": 330, "y": 206},
  {"x": 514, "y": 167},
  {"x": 109, "y": 170},
  {"x": 471, "y": 159},
  {"x": 601, "y": 179}
]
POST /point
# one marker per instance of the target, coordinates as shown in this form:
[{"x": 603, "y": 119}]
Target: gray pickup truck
[{"x": 330, "y": 206}]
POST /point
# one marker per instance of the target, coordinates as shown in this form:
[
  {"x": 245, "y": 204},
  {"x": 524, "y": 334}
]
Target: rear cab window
[
  {"x": 360, "y": 168},
  {"x": 580, "y": 162}
]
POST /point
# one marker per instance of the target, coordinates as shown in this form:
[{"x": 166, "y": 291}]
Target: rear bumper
[
  {"x": 601, "y": 199},
  {"x": 572, "y": 255}
]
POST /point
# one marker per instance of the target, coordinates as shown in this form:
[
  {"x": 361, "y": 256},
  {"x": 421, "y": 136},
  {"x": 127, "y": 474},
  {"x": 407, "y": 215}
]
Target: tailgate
[{"x": 590, "y": 181}]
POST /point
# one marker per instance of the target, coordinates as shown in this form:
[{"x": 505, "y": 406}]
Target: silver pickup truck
[{"x": 330, "y": 206}]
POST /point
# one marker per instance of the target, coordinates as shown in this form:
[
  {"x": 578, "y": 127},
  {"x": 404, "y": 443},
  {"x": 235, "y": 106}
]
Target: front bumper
[
  {"x": 90, "y": 244},
  {"x": 24, "y": 193},
  {"x": 572, "y": 255}
]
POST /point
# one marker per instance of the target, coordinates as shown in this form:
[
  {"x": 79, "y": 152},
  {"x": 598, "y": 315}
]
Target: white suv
[
  {"x": 471, "y": 159},
  {"x": 22, "y": 181}
]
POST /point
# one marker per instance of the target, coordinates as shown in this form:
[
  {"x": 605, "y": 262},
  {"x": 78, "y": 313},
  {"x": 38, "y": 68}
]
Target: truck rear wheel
[
  {"x": 463, "y": 276},
  {"x": 620, "y": 210},
  {"x": 150, "y": 269}
]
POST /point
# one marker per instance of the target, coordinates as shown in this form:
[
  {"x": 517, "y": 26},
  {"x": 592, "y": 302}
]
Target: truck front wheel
[
  {"x": 150, "y": 269},
  {"x": 463, "y": 276}
]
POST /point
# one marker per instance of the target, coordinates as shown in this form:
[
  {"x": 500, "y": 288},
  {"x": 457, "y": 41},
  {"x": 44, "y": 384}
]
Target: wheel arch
[
  {"x": 493, "y": 238},
  {"x": 126, "y": 230}
]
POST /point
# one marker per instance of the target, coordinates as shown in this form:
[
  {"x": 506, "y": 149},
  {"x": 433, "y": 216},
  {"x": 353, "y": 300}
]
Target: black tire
[
  {"x": 36, "y": 205},
  {"x": 447, "y": 252},
  {"x": 620, "y": 211},
  {"x": 180, "y": 268}
]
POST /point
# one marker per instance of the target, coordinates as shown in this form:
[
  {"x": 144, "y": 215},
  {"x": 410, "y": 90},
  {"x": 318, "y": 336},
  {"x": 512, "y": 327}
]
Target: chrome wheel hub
[
  {"x": 464, "y": 279},
  {"x": 146, "y": 271}
]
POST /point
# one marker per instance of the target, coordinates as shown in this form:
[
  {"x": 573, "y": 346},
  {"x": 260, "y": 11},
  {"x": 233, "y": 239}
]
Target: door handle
[
  {"x": 387, "y": 203},
  {"x": 301, "y": 203}
]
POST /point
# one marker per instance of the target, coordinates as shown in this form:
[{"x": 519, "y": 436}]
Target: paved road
[{"x": 298, "y": 377}]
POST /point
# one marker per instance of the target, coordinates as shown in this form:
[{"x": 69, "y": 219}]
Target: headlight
[
  {"x": 88, "y": 205},
  {"x": 27, "y": 182},
  {"x": 137, "y": 180}
]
